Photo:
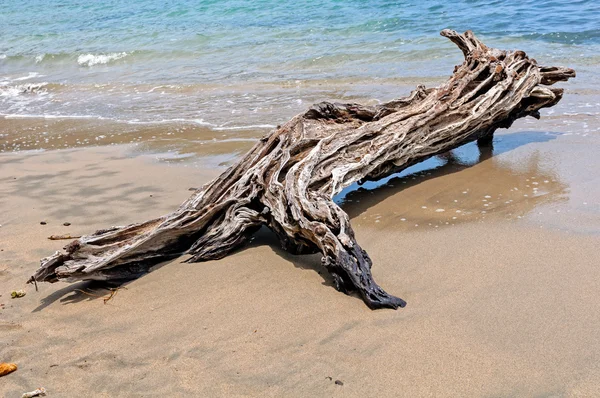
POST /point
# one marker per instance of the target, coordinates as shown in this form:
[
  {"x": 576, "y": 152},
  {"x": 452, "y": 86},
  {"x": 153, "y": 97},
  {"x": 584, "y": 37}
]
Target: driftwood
[{"x": 287, "y": 181}]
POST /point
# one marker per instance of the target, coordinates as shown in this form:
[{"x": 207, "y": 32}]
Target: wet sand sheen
[
  {"x": 179, "y": 139},
  {"x": 497, "y": 304}
]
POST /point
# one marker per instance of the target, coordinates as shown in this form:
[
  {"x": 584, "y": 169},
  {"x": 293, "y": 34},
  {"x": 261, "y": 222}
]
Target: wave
[
  {"x": 49, "y": 116},
  {"x": 198, "y": 122},
  {"x": 99, "y": 59},
  {"x": 31, "y": 75},
  {"x": 20, "y": 89},
  {"x": 64, "y": 58}
]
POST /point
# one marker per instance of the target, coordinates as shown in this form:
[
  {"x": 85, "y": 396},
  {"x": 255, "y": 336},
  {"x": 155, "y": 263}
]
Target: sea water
[{"x": 236, "y": 64}]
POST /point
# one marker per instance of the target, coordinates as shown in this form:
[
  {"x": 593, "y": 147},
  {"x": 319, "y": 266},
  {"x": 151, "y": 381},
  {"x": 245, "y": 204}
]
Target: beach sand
[{"x": 503, "y": 299}]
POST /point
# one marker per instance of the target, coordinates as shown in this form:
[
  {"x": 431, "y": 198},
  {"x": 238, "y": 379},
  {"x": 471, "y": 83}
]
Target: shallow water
[
  {"x": 198, "y": 84},
  {"x": 237, "y": 63}
]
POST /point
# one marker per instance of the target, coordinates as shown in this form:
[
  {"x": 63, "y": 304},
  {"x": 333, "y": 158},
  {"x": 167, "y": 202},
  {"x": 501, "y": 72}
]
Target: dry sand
[{"x": 501, "y": 303}]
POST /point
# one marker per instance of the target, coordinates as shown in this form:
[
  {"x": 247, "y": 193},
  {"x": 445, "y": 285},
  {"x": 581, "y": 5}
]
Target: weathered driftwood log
[{"x": 288, "y": 179}]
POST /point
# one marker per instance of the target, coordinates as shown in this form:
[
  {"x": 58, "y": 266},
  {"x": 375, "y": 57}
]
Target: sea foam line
[
  {"x": 250, "y": 126},
  {"x": 200, "y": 122}
]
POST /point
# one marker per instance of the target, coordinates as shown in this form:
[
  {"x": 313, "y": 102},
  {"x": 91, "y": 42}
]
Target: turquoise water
[{"x": 228, "y": 64}]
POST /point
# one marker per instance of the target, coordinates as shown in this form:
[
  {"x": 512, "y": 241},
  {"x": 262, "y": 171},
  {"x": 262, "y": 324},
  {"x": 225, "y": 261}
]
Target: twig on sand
[
  {"x": 61, "y": 237},
  {"x": 113, "y": 293}
]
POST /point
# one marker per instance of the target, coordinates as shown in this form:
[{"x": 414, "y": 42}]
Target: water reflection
[{"x": 466, "y": 184}]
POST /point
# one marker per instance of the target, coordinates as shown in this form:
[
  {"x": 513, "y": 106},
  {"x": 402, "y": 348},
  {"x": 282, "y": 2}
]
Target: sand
[{"x": 503, "y": 300}]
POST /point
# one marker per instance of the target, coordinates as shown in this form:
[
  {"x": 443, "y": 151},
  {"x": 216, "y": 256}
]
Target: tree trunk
[{"x": 288, "y": 179}]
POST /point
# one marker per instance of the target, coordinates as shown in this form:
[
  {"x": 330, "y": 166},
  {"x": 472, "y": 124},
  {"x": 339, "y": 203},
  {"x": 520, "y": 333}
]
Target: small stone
[
  {"x": 339, "y": 382},
  {"x": 66, "y": 224},
  {"x": 43, "y": 222}
]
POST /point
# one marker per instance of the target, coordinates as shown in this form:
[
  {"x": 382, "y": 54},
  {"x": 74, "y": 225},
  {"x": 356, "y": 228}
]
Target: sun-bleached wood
[{"x": 287, "y": 181}]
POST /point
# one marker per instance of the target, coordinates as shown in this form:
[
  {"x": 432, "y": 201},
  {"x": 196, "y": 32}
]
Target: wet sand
[{"x": 495, "y": 255}]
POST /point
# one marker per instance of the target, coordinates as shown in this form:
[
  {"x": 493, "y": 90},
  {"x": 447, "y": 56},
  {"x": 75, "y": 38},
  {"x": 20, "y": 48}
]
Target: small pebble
[
  {"x": 43, "y": 222},
  {"x": 66, "y": 224},
  {"x": 339, "y": 383}
]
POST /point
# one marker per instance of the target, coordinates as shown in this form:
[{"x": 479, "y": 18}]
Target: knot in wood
[
  {"x": 320, "y": 231},
  {"x": 72, "y": 247}
]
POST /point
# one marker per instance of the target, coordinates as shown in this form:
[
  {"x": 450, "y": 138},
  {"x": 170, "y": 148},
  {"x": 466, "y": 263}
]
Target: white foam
[
  {"x": 14, "y": 91},
  {"x": 49, "y": 116},
  {"x": 99, "y": 59},
  {"x": 167, "y": 121},
  {"x": 202, "y": 122},
  {"x": 248, "y": 127},
  {"x": 31, "y": 75}
]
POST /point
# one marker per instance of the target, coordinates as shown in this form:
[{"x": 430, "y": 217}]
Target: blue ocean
[{"x": 236, "y": 64}]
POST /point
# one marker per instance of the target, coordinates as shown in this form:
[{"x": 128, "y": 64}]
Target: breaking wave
[{"x": 99, "y": 59}]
